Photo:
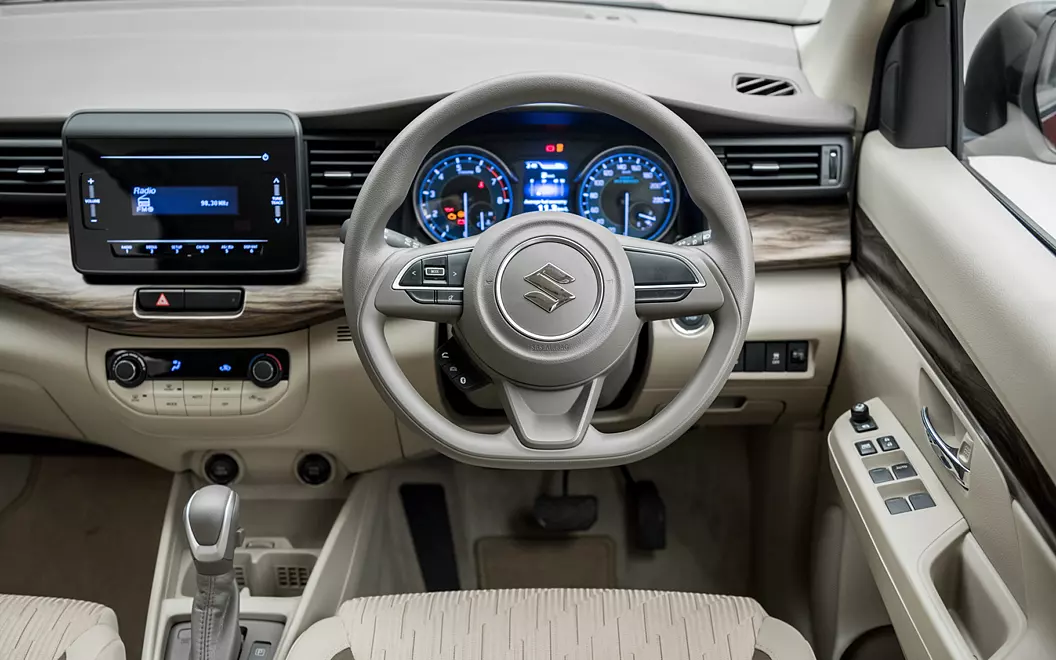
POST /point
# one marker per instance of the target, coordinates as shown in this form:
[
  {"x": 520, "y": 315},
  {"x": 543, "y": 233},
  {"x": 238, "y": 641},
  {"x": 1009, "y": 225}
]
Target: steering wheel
[{"x": 550, "y": 301}]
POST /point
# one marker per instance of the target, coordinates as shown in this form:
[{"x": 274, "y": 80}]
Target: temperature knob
[
  {"x": 129, "y": 369},
  {"x": 265, "y": 371}
]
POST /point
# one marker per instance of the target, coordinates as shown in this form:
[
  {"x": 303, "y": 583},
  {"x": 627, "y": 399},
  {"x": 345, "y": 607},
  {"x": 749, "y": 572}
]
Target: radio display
[
  {"x": 195, "y": 193},
  {"x": 186, "y": 200}
]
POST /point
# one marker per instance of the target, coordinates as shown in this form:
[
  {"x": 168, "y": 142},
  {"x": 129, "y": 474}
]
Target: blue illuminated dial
[
  {"x": 629, "y": 191},
  {"x": 462, "y": 191}
]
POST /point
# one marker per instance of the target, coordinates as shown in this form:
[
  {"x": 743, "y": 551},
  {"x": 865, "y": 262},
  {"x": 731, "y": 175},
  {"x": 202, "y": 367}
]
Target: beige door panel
[
  {"x": 944, "y": 596},
  {"x": 881, "y": 359}
]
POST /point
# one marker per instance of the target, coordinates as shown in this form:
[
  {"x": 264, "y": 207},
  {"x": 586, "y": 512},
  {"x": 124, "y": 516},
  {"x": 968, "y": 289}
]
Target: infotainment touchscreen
[{"x": 194, "y": 193}]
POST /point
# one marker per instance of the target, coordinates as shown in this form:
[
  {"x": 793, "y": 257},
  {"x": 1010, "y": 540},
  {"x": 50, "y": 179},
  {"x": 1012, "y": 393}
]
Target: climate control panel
[{"x": 198, "y": 382}]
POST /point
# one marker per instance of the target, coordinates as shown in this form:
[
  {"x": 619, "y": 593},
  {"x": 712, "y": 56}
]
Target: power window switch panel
[
  {"x": 256, "y": 399},
  {"x": 865, "y": 448},
  {"x": 903, "y": 471},
  {"x": 880, "y": 475},
  {"x": 897, "y": 505},
  {"x": 139, "y": 398}
]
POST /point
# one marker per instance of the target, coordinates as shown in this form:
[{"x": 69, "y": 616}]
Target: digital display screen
[
  {"x": 144, "y": 205},
  {"x": 546, "y": 185},
  {"x": 184, "y": 200}
]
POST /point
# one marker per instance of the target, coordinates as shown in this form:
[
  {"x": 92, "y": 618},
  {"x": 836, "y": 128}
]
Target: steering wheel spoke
[
  {"x": 550, "y": 419},
  {"x": 425, "y": 283},
  {"x": 671, "y": 281}
]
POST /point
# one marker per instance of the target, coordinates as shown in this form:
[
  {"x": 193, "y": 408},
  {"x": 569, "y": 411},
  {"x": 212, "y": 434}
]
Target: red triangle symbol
[{"x": 162, "y": 301}]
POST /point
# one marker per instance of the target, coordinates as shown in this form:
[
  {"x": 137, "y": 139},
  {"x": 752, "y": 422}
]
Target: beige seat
[
  {"x": 35, "y": 628},
  {"x": 533, "y": 624}
]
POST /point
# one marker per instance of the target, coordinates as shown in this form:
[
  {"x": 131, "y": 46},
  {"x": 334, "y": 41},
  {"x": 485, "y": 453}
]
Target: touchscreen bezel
[{"x": 187, "y": 149}]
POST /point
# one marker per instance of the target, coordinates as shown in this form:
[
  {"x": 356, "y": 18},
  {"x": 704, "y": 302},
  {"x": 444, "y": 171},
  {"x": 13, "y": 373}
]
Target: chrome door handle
[{"x": 950, "y": 456}]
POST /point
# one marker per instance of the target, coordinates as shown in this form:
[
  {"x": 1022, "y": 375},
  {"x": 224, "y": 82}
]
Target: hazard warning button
[{"x": 159, "y": 300}]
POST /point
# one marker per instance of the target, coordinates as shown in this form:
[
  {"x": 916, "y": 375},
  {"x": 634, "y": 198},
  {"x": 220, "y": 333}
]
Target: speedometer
[
  {"x": 462, "y": 191},
  {"x": 629, "y": 191}
]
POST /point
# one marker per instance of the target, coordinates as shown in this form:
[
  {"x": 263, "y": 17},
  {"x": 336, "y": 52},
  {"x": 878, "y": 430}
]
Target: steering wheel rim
[{"x": 542, "y": 411}]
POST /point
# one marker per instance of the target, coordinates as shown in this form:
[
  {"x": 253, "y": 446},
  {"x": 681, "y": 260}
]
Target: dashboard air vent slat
[
  {"x": 768, "y": 166},
  {"x": 337, "y": 168},
  {"x": 764, "y": 86},
  {"x": 32, "y": 178},
  {"x": 344, "y": 333}
]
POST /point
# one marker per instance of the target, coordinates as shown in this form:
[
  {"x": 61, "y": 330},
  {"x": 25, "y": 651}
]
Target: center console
[{"x": 187, "y": 194}]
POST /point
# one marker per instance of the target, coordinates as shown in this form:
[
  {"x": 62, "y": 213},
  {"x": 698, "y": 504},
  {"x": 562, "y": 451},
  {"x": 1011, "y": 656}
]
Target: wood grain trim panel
[
  {"x": 879, "y": 263},
  {"x": 36, "y": 269}
]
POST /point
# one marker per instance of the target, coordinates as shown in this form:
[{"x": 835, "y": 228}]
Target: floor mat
[
  {"x": 704, "y": 481},
  {"x": 87, "y": 527},
  {"x": 581, "y": 561}
]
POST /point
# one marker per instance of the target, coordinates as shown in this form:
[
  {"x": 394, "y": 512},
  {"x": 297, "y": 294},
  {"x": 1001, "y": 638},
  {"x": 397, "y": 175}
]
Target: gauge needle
[
  {"x": 465, "y": 215},
  {"x": 482, "y": 221},
  {"x": 626, "y": 213}
]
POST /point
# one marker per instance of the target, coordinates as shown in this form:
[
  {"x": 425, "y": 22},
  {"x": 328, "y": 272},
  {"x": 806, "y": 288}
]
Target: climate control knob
[
  {"x": 129, "y": 369},
  {"x": 265, "y": 371}
]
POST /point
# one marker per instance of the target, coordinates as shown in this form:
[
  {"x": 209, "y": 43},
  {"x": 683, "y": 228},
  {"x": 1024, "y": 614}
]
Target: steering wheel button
[
  {"x": 649, "y": 268},
  {"x": 456, "y": 268},
  {"x": 449, "y": 297},
  {"x": 413, "y": 275},
  {"x": 659, "y": 295},
  {"x": 422, "y": 296},
  {"x": 435, "y": 272}
]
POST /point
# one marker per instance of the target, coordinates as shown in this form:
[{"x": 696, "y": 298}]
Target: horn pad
[{"x": 549, "y": 300}]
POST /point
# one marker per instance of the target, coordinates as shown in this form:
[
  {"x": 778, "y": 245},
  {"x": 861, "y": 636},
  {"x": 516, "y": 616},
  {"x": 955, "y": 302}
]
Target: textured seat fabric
[
  {"x": 34, "y": 628},
  {"x": 551, "y": 624}
]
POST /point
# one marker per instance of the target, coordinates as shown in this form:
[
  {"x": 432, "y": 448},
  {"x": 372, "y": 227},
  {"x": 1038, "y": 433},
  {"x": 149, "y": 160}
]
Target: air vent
[
  {"x": 764, "y": 86},
  {"x": 292, "y": 577},
  {"x": 344, "y": 333},
  {"x": 773, "y": 166},
  {"x": 32, "y": 180},
  {"x": 337, "y": 167}
]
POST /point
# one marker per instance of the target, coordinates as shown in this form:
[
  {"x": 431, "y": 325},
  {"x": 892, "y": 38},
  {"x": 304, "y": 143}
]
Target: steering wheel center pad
[{"x": 549, "y": 300}]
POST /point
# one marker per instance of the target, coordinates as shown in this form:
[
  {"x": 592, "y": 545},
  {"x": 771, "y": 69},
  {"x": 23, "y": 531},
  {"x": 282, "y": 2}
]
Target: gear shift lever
[{"x": 210, "y": 520}]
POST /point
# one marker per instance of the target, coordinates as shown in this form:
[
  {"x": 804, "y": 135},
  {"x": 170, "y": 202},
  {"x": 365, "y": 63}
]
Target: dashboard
[{"x": 185, "y": 276}]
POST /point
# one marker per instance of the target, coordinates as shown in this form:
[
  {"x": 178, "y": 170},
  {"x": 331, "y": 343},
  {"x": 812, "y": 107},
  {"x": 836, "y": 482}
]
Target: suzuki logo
[{"x": 549, "y": 294}]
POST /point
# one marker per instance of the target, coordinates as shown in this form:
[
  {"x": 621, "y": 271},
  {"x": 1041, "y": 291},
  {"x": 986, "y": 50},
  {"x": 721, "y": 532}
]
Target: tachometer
[
  {"x": 629, "y": 191},
  {"x": 461, "y": 192}
]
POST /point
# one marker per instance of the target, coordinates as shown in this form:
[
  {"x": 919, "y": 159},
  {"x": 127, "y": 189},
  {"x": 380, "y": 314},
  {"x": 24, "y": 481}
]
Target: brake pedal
[
  {"x": 646, "y": 514},
  {"x": 565, "y": 513}
]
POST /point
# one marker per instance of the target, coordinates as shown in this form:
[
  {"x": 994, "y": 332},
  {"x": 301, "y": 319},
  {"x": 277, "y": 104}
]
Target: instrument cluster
[{"x": 464, "y": 189}]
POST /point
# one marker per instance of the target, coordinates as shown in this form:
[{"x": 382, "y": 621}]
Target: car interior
[{"x": 527, "y": 329}]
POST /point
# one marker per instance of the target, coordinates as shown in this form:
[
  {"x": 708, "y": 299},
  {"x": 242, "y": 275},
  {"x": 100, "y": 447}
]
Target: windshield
[{"x": 791, "y": 12}]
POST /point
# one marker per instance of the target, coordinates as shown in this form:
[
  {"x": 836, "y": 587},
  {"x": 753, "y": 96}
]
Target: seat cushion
[
  {"x": 35, "y": 628},
  {"x": 537, "y": 624}
]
